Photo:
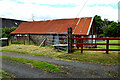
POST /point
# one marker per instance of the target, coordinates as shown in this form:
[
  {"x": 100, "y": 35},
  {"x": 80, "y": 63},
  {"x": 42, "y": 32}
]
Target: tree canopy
[
  {"x": 6, "y": 31},
  {"x": 98, "y": 23},
  {"x": 107, "y": 28}
]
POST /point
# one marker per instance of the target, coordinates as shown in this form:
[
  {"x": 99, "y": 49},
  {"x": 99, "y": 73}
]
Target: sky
[{"x": 58, "y": 9}]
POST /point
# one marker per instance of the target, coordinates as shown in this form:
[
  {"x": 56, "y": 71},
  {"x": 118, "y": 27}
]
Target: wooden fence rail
[
  {"x": 71, "y": 43},
  {"x": 107, "y": 44}
]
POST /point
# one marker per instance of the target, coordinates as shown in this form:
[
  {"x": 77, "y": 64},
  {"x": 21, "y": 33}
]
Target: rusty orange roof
[{"x": 80, "y": 26}]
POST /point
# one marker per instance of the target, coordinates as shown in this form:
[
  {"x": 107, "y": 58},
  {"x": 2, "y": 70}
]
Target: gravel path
[{"x": 73, "y": 69}]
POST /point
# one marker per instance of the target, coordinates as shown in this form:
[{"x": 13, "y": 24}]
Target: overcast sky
[{"x": 57, "y": 9}]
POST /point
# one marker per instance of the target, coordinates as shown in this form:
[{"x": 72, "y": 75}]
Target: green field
[{"x": 111, "y": 46}]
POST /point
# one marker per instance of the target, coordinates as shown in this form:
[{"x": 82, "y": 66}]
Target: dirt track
[{"x": 73, "y": 69}]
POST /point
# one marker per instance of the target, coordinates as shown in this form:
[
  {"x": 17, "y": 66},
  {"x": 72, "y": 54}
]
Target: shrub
[
  {"x": 17, "y": 42},
  {"x": 6, "y": 31}
]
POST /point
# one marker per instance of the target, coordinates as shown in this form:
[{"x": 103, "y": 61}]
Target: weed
[{"x": 4, "y": 74}]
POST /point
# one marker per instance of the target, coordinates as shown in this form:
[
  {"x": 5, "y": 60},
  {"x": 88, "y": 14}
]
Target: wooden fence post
[
  {"x": 11, "y": 38},
  {"x": 29, "y": 38},
  {"x": 24, "y": 39},
  {"x": 107, "y": 46},
  {"x": 82, "y": 45},
  {"x": 69, "y": 39}
]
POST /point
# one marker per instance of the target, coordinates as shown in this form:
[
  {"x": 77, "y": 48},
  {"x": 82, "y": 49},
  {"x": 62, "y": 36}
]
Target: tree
[
  {"x": 107, "y": 28},
  {"x": 6, "y": 31},
  {"x": 113, "y": 30},
  {"x": 99, "y": 24}
]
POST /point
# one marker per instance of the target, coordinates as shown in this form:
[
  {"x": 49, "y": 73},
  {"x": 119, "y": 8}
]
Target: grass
[
  {"x": 92, "y": 57},
  {"x": 111, "y": 46},
  {"x": 4, "y": 74},
  {"x": 32, "y": 50},
  {"x": 17, "y": 42},
  {"x": 41, "y": 65},
  {"x": 97, "y": 57},
  {"x": 111, "y": 41}
]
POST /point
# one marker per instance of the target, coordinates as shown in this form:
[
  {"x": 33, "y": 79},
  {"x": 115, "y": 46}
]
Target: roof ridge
[{"x": 59, "y": 19}]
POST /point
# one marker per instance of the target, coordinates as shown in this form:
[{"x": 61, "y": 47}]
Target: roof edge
[
  {"x": 90, "y": 26},
  {"x": 14, "y": 19}
]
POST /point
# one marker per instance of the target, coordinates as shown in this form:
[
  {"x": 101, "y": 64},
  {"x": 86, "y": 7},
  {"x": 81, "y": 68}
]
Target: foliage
[
  {"x": 101, "y": 35},
  {"x": 98, "y": 23},
  {"x": 113, "y": 30},
  {"x": 17, "y": 42},
  {"x": 6, "y": 31},
  {"x": 107, "y": 28},
  {"x": 4, "y": 74},
  {"x": 41, "y": 65}
]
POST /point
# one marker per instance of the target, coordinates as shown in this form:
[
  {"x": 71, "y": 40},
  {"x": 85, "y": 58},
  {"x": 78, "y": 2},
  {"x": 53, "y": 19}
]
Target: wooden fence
[
  {"x": 107, "y": 44},
  {"x": 71, "y": 43}
]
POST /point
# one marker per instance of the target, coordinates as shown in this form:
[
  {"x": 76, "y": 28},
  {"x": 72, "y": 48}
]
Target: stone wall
[
  {"x": 51, "y": 40},
  {"x": 39, "y": 38}
]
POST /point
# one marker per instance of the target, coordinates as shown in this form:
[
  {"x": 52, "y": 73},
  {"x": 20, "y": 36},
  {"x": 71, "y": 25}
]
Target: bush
[
  {"x": 17, "y": 42},
  {"x": 102, "y": 35},
  {"x": 113, "y": 30},
  {"x": 6, "y": 31}
]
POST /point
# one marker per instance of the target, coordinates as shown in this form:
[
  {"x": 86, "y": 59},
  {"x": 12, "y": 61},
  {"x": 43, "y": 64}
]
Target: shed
[{"x": 54, "y": 28}]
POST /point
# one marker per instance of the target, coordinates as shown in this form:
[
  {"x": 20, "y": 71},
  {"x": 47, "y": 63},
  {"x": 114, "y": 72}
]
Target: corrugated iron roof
[{"x": 58, "y": 26}]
